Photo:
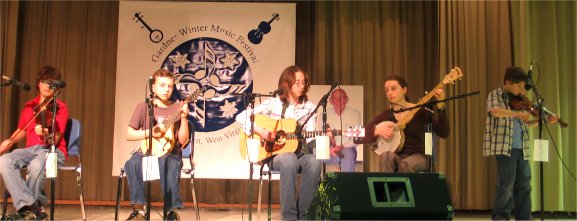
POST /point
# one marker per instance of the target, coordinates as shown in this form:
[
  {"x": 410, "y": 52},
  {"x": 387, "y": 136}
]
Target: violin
[
  {"x": 522, "y": 103},
  {"x": 44, "y": 116}
]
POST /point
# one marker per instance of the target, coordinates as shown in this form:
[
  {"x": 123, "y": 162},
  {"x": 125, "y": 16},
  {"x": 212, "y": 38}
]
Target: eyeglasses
[
  {"x": 45, "y": 81},
  {"x": 301, "y": 82}
]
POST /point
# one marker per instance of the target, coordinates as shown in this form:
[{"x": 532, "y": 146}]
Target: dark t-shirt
[{"x": 139, "y": 120}]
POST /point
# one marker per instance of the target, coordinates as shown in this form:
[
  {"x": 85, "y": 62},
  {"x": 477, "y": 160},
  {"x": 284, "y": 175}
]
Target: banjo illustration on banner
[{"x": 155, "y": 34}]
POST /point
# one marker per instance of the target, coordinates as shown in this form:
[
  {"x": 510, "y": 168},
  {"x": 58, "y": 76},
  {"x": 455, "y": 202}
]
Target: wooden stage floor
[{"x": 68, "y": 210}]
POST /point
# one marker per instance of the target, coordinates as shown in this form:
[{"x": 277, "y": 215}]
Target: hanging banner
[{"x": 219, "y": 48}]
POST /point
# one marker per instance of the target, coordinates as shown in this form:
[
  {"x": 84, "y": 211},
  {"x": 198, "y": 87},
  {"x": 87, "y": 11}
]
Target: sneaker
[
  {"x": 172, "y": 215},
  {"x": 38, "y": 210},
  {"x": 25, "y": 213},
  {"x": 136, "y": 215},
  {"x": 32, "y": 212}
]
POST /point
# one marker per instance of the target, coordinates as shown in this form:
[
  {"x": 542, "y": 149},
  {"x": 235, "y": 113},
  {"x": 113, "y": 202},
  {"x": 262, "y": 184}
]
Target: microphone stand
[
  {"x": 429, "y": 125},
  {"x": 429, "y": 129},
  {"x": 150, "y": 106},
  {"x": 251, "y": 99},
  {"x": 541, "y": 183},
  {"x": 300, "y": 127},
  {"x": 53, "y": 150},
  {"x": 540, "y": 106},
  {"x": 323, "y": 102},
  {"x": 437, "y": 101}
]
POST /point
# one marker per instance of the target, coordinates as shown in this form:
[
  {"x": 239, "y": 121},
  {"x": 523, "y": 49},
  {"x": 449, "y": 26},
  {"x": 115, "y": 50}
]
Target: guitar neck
[
  {"x": 430, "y": 95},
  {"x": 403, "y": 122},
  {"x": 173, "y": 118},
  {"x": 309, "y": 134}
]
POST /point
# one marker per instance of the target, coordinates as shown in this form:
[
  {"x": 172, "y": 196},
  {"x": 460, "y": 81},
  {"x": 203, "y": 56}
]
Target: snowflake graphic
[
  {"x": 218, "y": 69},
  {"x": 229, "y": 60},
  {"x": 180, "y": 60},
  {"x": 228, "y": 109}
]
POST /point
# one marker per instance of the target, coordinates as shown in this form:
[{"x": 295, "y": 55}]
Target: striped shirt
[{"x": 499, "y": 130}]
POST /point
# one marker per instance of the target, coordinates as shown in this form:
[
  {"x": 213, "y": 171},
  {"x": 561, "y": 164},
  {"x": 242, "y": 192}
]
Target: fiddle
[
  {"x": 522, "y": 103},
  {"x": 43, "y": 109},
  {"x": 44, "y": 116}
]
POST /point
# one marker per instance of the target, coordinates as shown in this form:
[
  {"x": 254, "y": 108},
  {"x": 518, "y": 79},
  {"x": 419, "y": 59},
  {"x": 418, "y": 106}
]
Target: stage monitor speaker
[{"x": 379, "y": 196}]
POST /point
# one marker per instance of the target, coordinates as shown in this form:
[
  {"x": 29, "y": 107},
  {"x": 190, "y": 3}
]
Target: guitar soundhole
[{"x": 278, "y": 143}]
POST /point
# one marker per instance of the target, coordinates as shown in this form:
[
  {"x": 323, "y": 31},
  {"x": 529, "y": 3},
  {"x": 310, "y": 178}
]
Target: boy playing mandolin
[
  {"x": 169, "y": 163},
  {"x": 410, "y": 156}
]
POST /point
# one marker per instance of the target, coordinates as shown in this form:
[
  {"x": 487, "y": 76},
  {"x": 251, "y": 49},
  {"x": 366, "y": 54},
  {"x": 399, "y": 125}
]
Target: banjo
[{"x": 397, "y": 142}]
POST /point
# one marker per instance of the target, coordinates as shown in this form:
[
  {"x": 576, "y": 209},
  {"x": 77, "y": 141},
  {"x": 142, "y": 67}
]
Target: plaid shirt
[{"x": 499, "y": 130}]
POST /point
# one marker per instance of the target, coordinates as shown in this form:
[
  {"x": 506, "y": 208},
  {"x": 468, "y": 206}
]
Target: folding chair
[
  {"x": 266, "y": 171},
  {"x": 72, "y": 136}
]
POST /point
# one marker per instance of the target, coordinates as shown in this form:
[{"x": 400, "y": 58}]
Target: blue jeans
[
  {"x": 169, "y": 165},
  {"x": 288, "y": 164},
  {"x": 34, "y": 159},
  {"x": 347, "y": 163},
  {"x": 513, "y": 187}
]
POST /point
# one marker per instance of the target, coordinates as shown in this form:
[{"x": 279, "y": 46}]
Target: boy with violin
[
  {"x": 507, "y": 138},
  {"x": 35, "y": 124}
]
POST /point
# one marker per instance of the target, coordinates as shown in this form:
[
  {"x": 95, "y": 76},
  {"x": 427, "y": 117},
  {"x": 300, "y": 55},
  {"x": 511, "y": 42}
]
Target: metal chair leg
[
  {"x": 79, "y": 183},
  {"x": 119, "y": 188},
  {"x": 5, "y": 205},
  {"x": 259, "y": 196},
  {"x": 269, "y": 196},
  {"x": 194, "y": 196}
]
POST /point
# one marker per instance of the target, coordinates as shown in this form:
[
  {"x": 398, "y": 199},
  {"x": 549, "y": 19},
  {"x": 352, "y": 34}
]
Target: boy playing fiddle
[
  {"x": 28, "y": 196},
  {"x": 507, "y": 138}
]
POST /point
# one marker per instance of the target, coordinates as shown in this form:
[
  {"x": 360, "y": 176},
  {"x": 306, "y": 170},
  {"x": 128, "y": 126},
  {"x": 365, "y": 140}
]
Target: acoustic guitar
[{"x": 286, "y": 140}]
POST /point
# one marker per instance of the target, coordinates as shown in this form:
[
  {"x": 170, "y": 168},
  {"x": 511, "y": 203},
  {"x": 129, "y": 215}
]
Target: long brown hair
[
  {"x": 48, "y": 72},
  {"x": 287, "y": 80}
]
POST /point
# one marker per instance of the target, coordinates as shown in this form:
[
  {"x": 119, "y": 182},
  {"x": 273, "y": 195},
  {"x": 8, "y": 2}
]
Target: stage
[{"x": 104, "y": 210}]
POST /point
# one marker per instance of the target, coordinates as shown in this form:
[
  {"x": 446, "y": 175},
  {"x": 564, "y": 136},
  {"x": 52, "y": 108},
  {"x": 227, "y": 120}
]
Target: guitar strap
[
  {"x": 391, "y": 114},
  {"x": 284, "y": 107}
]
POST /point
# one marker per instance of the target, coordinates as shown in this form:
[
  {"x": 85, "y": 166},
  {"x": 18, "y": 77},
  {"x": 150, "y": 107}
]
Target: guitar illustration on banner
[
  {"x": 155, "y": 34},
  {"x": 255, "y": 36}
]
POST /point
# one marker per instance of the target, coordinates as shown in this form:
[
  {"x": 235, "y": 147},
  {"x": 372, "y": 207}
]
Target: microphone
[
  {"x": 334, "y": 85},
  {"x": 150, "y": 82},
  {"x": 529, "y": 81},
  {"x": 326, "y": 96},
  {"x": 24, "y": 86},
  {"x": 56, "y": 83},
  {"x": 276, "y": 92}
]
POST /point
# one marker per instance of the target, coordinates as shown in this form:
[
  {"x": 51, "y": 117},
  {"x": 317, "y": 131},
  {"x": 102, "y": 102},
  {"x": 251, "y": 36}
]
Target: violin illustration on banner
[
  {"x": 155, "y": 34},
  {"x": 255, "y": 36}
]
